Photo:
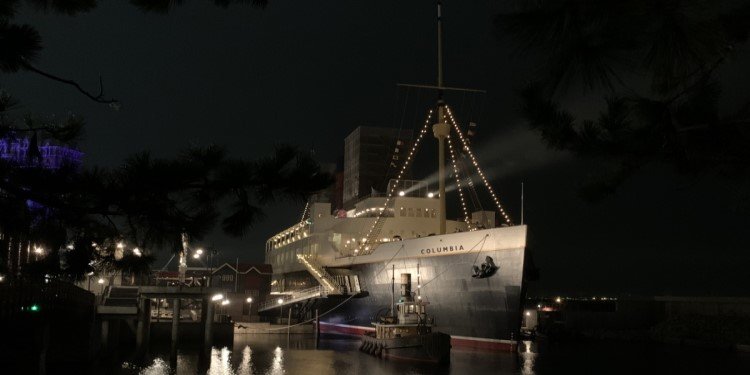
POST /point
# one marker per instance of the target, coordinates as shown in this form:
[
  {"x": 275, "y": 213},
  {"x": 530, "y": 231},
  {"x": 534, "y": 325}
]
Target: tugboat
[{"x": 406, "y": 333}]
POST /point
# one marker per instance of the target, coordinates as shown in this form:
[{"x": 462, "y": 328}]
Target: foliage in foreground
[
  {"x": 146, "y": 202},
  {"x": 657, "y": 65}
]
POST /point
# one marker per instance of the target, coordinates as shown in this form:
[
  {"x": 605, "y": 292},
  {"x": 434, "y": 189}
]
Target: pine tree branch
[{"x": 97, "y": 98}]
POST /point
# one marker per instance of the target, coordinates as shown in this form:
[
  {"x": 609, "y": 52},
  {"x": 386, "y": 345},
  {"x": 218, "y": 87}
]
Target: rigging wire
[
  {"x": 319, "y": 315},
  {"x": 389, "y": 261},
  {"x": 478, "y": 168},
  {"x": 399, "y": 142},
  {"x": 458, "y": 183},
  {"x": 167, "y": 264},
  {"x": 371, "y": 234},
  {"x": 471, "y": 189}
]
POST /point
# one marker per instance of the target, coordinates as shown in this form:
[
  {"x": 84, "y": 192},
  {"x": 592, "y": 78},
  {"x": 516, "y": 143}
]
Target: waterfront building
[
  {"x": 245, "y": 286},
  {"x": 194, "y": 276}
]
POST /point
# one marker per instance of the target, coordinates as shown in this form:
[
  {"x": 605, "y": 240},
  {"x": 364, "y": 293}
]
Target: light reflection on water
[
  {"x": 220, "y": 364},
  {"x": 274, "y": 355},
  {"x": 246, "y": 366},
  {"x": 528, "y": 356},
  {"x": 157, "y": 368}
]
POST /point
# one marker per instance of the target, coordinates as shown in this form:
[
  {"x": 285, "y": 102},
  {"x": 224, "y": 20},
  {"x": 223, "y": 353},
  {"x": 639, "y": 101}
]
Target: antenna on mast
[
  {"x": 440, "y": 49},
  {"x": 522, "y": 203}
]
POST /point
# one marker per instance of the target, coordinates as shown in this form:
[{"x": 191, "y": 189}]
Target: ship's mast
[{"x": 441, "y": 130}]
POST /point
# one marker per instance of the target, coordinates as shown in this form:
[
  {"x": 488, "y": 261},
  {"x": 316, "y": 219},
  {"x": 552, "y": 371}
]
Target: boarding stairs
[{"x": 320, "y": 274}]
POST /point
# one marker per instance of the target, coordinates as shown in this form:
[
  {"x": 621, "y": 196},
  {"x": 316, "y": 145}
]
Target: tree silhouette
[
  {"x": 655, "y": 63},
  {"x": 77, "y": 214},
  {"x": 150, "y": 201},
  {"x": 20, "y": 45}
]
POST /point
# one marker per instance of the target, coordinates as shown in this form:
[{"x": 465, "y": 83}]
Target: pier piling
[
  {"x": 208, "y": 330},
  {"x": 176, "y": 306}
]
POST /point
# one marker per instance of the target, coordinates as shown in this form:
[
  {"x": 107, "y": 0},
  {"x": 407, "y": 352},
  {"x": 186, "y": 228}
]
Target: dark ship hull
[{"x": 476, "y": 312}]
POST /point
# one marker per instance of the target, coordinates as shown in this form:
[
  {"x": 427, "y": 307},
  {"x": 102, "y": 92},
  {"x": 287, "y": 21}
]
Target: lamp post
[
  {"x": 101, "y": 281},
  {"x": 211, "y": 253},
  {"x": 249, "y": 301}
]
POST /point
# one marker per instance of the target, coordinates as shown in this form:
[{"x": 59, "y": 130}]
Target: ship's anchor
[{"x": 487, "y": 269}]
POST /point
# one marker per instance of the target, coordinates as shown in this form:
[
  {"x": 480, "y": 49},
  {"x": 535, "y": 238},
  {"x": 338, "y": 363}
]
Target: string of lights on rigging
[
  {"x": 368, "y": 238},
  {"x": 476, "y": 165},
  {"x": 458, "y": 183}
]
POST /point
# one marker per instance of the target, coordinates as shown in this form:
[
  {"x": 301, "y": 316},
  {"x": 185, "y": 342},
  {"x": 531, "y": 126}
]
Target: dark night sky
[{"x": 308, "y": 73}]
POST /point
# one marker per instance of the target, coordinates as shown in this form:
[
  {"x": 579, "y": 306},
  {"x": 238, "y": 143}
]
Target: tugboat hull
[{"x": 432, "y": 347}]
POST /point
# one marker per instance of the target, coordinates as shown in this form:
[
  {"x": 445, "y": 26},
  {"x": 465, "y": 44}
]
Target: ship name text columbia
[{"x": 443, "y": 249}]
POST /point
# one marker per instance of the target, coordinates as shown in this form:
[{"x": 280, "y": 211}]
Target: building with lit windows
[
  {"x": 371, "y": 157},
  {"x": 245, "y": 286}
]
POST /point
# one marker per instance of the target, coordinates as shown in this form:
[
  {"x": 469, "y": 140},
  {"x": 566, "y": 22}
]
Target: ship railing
[{"x": 294, "y": 296}]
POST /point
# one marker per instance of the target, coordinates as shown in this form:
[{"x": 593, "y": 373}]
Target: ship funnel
[{"x": 406, "y": 285}]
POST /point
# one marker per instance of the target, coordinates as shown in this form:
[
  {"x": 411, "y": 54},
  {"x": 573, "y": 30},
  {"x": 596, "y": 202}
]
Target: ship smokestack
[{"x": 406, "y": 286}]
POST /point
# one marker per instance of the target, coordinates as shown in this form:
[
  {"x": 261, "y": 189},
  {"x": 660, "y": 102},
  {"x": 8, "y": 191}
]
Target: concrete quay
[{"x": 271, "y": 329}]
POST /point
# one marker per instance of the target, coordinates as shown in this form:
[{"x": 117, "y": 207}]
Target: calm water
[{"x": 273, "y": 354}]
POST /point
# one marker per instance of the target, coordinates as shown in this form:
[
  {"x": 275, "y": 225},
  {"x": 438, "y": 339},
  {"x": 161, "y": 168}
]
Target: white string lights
[
  {"x": 304, "y": 212},
  {"x": 476, "y": 165},
  {"x": 371, "y": 236},
  {"x": 458, "y": 184},
  {"x": 370, "y": 241}
]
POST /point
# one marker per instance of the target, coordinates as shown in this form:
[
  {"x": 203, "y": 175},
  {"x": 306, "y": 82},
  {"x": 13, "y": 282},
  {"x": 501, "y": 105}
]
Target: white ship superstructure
[{"x": 325, "y": 236}]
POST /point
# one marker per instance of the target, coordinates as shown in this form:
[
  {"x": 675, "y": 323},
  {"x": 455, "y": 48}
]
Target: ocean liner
[{"x": 341, "y": 264}]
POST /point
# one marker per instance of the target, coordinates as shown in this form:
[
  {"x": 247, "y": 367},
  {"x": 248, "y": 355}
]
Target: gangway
[
  {"x": 329, "y": 285},
  {"x": 294, "y": 297}
]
